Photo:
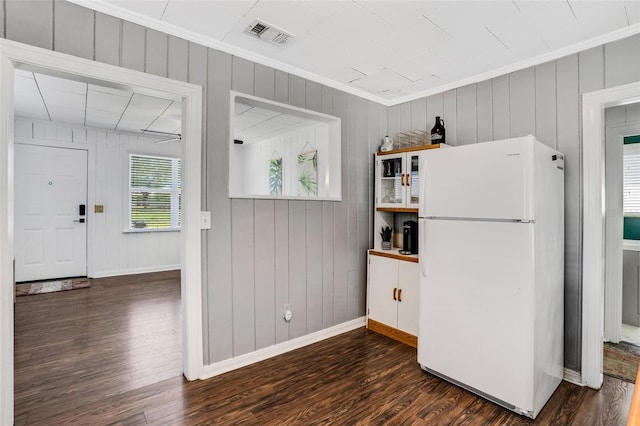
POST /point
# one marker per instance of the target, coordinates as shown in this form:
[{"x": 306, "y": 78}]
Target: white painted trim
[
  {"x": 572, "y": 376},
  {"x": 240, "y": 361},
  {"x": 11, "y": 53},
  {"x": 134, "y": 271},
  {"x": 111, "y": 8},
  {"x": 593, "y": 105}
]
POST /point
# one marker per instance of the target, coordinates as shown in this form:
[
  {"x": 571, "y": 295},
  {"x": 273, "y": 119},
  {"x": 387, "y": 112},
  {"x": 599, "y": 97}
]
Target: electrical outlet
[{"x": 287, "y": 313}]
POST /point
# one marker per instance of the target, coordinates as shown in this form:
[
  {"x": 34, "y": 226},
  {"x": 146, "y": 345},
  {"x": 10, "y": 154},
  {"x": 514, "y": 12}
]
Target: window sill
[{"x": 144, "y": 230}]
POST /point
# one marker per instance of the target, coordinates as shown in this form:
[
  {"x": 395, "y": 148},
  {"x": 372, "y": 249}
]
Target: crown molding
[{"x": 146, "y": 21}]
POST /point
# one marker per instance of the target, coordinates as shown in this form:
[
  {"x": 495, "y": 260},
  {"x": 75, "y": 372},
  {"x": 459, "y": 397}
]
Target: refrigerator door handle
[{"x": 422, "y": 248}]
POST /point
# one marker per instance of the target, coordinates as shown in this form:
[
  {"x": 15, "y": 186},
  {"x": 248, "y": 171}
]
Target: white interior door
[{"x": 50, "y": 234}]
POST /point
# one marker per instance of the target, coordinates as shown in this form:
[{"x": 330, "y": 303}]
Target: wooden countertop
[{"x": 394, "y": 253}]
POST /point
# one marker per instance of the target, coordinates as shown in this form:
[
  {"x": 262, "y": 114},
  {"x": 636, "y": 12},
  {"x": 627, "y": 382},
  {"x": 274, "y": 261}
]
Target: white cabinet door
[
  {"x": 408, "y": 283},
  {"x": 383, "y": 284},
  {"x": 391, "y": 180}
]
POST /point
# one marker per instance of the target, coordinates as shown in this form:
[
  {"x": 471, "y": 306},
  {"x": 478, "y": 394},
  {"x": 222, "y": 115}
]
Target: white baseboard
[
  {"x": 227, "y": 365},
  {"x": 573, "y": 376},
  {"x": 133, "y": 271}
]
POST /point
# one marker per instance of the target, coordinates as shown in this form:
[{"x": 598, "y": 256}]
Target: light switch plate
[{"x": 205, "y": 220}]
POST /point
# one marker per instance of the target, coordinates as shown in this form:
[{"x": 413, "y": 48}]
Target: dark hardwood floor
[{"x": 111, "y": 355}]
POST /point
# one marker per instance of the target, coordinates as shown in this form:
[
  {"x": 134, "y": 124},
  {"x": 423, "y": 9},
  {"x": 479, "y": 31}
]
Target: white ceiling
[
  {"x": 391, "y": 51},
  {"x": 43, "y": 97},
  {"x": 253, "y": 124}
]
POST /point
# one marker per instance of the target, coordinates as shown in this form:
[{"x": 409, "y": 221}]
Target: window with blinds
[
  {"x": 154, "y": 192},
  {"x": 631, "y": 180}
]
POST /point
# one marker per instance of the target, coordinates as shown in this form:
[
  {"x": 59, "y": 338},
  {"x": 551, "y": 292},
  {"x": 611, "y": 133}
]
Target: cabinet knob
[
  {"x": 400, "y": 295},
  {"x": 394, "y": 293}
]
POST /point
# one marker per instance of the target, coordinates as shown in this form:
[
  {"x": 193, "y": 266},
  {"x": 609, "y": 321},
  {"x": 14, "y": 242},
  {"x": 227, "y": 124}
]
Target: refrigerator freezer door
[
  {"x": 476, "y": 312},
  {"x": 491, "y": 180}
]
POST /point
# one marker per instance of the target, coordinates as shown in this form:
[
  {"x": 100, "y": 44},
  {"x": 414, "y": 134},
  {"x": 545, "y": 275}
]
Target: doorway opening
[
  {"x": 14, "y": 56},
  {"x": 594, "y": 220}
]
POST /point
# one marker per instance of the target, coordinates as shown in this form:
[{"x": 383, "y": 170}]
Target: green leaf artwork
[
  {"x": 275, "y": 176},
  {"x": 308, "y": 173}
]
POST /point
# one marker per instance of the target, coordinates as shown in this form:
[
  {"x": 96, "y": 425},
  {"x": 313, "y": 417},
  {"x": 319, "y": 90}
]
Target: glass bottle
[{"x": 438, "y": 132}]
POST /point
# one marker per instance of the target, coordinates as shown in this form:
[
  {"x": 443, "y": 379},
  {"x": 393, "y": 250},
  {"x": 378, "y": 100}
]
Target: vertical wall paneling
[
  {"x": 242, "y": 75},
  {"x": 522, "y": 100},
  {"x": 405, "y": 117},
  {"x": 449, "y": 116},
  {"x": 156, "y": 53},
  {"x": 265, "y": 82},
  {"x": 352, "y": 215},
  {"x": 218, "y": 242},
  {"x": 133, "y": 46},
  {"x": 362, "y": 157},
  {"x": 591, "y": 69},
  {"x": 328, "y": 226},
  {"x": 30, "y": 22},
  {"x": 622, "y": 62},
  {"x": 73, "y": 29},
  {"x": 264, "y": 210},
  {"x": 281, "y": 252},
  {"x": 242, "y": 240},
  {"x": 484, "y": 111},
  {"x": 100, "y": 225},
  {"x": 282, "y": 86},
  {"x": 297, "y": 91},
  {"x": 568, "y": 111},
  {"x": 281, "y": 226},
  {"x": 393, "y": 122},
  {"x": 298, "y": 268},
  {"x": 265, "y": 319},
  {"x": 419, "y": 115},
  {"x": 178, "y": 52},
  {"x": 341, "y": 231},
  {"x": 545, "y": 79},
  {"x": 501, "y": 126},
  {"x": 314, "y": 265},
  {"x": 243, "y": 276},
  {"x": 466, "y": 101},
  {"x": 313, "y": 96},
  {"x": 107, "y": 39}
]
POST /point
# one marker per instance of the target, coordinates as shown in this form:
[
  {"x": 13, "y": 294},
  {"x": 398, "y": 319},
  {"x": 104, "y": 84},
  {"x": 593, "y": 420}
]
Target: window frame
[{"x": 176, "y": 192}]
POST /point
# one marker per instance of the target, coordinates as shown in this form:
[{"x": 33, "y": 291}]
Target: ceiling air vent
[{"x": 268, "y": 32}]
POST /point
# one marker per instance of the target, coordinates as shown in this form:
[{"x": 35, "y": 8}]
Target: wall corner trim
[{"x": 240, "y": 361}]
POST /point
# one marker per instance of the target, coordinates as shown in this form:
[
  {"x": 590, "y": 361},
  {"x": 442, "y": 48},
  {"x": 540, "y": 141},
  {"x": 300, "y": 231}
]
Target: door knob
[{"x": 81, "y": 220}]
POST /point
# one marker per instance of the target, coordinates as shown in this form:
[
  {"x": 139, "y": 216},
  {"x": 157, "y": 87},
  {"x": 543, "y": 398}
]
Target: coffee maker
[{"x": 409, "y": 237}]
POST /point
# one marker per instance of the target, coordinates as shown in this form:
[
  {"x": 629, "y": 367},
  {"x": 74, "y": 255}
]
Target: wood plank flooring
[{"x": 111, "y": 355}]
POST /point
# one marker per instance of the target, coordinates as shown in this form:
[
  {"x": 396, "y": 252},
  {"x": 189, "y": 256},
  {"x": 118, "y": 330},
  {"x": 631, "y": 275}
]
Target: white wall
[
  {"x": 256, "y": 159},
  {"x": 110, "y": 251}
]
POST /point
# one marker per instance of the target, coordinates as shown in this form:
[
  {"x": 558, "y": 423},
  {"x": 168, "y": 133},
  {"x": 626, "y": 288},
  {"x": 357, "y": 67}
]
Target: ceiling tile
[
  {"x": 141, "y": 112},
  {"x": 62, "y": 114},
  {"x": 170, "y": 120},
  {"x": 213, "y": 19},
  {"x": 382, "y": 81},
  {"x": 47, "y": 82},
  {"x": 28, "y": 102}
]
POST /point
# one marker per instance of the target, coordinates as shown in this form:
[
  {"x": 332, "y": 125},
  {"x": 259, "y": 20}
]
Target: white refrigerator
[{"x": 491, "y": 226}]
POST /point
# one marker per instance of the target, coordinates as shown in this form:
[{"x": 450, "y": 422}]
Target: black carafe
[
  {"x": 409, "y": 237},
  {"x": 438, "y": 133}
]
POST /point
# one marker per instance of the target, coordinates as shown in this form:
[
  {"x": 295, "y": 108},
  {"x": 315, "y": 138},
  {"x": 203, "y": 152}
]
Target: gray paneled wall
[
  {"x": 545, "y": 101},
  {"x": 260, "y": 254}
]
